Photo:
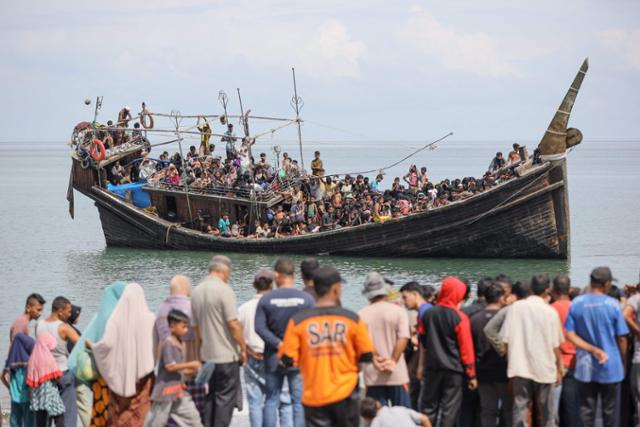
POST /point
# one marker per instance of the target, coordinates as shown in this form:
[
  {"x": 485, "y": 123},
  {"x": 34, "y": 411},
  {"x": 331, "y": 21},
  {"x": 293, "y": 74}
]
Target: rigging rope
[{"x": 428, "y": 145}]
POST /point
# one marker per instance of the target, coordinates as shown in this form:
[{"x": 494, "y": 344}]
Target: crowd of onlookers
[{"x": 529, "y": 353}]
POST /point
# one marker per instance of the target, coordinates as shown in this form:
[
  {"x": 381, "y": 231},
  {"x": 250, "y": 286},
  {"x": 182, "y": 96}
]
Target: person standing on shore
[
  {"x": 42, "y": 375},
  {"x": 413, "y": 295},
  {"x": 447, "y": 355},
  {"x": 596, "y": 326},
  {"x": 272, "y": 316},
  {"x": 124, "y": 357},
  {"x": 532, "y": 334},
  {"x": 631, "y": 313},
  {"x": 493, "y": 393},
  {"x": 16, "y": 368},
  {"x": 388, "y": 326},
  {"x": 168, "y": 396},
  {"x": 254, "y": 372},
  {"x": 307, "y": 267},
  {"x": 180, "y": 299},
  {"x": 566, "y": 395},
  {"x": 56, "y": 325},
  {"x": 220, "y": 340},
  {"x": 32, "y": 311},
  {"x": 328, "y": 342}
]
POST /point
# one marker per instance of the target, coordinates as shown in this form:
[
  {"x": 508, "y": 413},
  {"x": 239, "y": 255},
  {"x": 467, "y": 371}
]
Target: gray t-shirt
[
  {"x": 169, "y": 385},
  {"x": 396, "y": 416},
  {"x": 213, "y": 305},
  {"x": 634, "y": 302}
]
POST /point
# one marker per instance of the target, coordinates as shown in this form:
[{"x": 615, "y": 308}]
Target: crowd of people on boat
[
  {"x": 311, "y": 202},
  {"x": 536, "y": 352}
]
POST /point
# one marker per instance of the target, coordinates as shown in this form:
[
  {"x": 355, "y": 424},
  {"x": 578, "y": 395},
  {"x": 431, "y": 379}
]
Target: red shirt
[{"x": 567, "y": 349}]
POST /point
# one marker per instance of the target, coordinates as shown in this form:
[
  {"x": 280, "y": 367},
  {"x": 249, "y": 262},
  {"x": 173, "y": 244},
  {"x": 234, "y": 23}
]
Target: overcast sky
[{"x": 485, "y": 70}]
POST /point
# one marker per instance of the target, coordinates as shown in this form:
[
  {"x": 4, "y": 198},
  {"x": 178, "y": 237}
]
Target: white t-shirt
[
  {"x": 396, "y": 416},
  {"x": 532, "y": 330},
  {"x": 247, "y": 316}
]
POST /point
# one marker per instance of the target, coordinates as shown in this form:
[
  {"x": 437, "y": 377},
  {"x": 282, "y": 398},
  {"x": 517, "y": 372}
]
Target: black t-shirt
[{"x": 490, "y": 366}]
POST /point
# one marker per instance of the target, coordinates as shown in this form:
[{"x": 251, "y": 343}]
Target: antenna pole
[
  {"x": 297, "y": 103},
  {"x": 98, "y": 107}
]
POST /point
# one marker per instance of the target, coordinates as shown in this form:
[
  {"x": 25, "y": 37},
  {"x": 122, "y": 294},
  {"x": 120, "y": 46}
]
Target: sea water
[{"x": 43, "y": 250}]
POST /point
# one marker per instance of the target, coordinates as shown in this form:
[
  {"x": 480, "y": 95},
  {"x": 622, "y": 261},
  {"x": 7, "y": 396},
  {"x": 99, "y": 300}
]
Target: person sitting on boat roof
[
  {"x": 173, "y": 176},
  {"x": 497, "y": 163},
  {"x": 317, "y": 168},
  {"x": 514, "y": 156},
  {"x": 192, "y": 154},
  {"x": 375, "y": 185},
  {"x": 230, "y": 139}
]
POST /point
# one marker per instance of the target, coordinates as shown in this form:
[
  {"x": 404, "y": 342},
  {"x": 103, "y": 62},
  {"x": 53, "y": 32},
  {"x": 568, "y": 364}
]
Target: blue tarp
[{"x": 140, "y": 198}]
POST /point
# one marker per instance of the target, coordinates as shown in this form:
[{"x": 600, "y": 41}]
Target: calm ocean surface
[{"x": 43, "y": 250}]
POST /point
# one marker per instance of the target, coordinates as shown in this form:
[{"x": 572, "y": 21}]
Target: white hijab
[{"x": 124, "y": 355}]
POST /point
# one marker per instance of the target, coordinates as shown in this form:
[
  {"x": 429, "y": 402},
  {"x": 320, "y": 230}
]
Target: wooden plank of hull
[{"x": 519, "y": 219}]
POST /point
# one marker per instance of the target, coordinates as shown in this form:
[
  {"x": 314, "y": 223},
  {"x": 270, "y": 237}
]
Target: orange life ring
[
  {"x": 143, "y": 119},
  {"x": 97, "y": 150}
]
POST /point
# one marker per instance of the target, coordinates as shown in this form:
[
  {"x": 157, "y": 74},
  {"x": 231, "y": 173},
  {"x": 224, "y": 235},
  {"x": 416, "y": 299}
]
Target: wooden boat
[{"x": 524, "y": 217}]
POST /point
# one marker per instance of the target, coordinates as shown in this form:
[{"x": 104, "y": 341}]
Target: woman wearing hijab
[
  {"x": 82, "y": 391},
  {"x": 94, "y": 332},
  {"x": 42, "y": 373},
  {"x": 124, "y": 358},
  {"x": 16, "y": 367}
]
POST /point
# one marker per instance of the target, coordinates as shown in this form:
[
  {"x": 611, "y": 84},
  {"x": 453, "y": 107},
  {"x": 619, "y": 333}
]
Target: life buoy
[
  {"x": 143, "y": 119},
  {"x": 97, "y": 150}
]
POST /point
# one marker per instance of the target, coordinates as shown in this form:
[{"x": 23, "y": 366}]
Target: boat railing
[{"x": 273, "y": 192}]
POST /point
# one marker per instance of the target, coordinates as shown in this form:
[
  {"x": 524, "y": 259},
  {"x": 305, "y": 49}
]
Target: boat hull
[{"x": 526, "y": 217}]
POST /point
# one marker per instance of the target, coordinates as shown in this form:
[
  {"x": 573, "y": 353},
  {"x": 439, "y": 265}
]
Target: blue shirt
[
  {"x": 223, "y": 225},
  {"x": 598, "y": 320},
  {"x": 272, "y": 316}
]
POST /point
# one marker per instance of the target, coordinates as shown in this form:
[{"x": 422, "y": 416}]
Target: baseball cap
[
  {"x": 602, "y": 275},
  {"x": 375, "y": 285},
  {"x": 264, "y": 273}
]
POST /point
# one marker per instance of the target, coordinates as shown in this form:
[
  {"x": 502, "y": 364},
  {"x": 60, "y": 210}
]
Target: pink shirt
[
  {"x": 20, "y": 325},
  {"x": 386, "y": 323}
]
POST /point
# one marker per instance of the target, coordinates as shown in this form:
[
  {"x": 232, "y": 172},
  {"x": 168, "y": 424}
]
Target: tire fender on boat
[{"x": 97, "y": 150}]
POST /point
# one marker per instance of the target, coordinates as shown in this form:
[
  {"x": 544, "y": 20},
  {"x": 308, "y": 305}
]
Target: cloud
[
  {"x": 183, "y": 40},
  {"x": 624, "y": 43},
  {"x": 474, "y": 52},
  {"x": 332, "y": 50}
]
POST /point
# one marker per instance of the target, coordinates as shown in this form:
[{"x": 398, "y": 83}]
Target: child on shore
[{"x": 169, "y": 396}]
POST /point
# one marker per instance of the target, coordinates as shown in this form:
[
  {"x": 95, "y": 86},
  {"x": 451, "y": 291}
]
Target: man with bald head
[
  {"x": 220, "y": 338},
  {"x": 180, "y": 299}
]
